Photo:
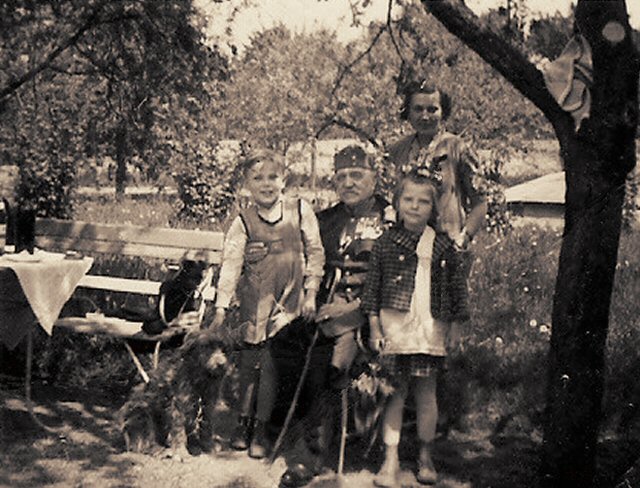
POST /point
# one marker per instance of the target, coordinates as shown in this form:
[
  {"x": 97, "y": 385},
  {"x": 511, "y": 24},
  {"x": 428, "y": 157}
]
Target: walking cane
[
  {"x": 343, "y": 432},
  {"x": 303, "y": 375}
]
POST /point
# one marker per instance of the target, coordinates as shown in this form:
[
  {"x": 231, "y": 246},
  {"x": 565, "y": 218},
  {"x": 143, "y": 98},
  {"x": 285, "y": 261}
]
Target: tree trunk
[
  {"x": 121, "y": 160},
  {"x": 596, "y": 160}
]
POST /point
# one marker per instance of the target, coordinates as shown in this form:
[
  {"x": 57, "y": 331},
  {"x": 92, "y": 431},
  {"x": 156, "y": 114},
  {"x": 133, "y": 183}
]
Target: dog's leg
[
  {"x": 209, "y": 391},
  {"x": 184, "y": 411}
]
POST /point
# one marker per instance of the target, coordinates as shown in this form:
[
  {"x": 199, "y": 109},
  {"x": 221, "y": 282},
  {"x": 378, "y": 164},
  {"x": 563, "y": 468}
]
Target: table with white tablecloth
[{"x": 33, "y": 290}]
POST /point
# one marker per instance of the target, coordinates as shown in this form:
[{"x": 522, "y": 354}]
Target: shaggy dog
[{"x": 176, "y": 407}]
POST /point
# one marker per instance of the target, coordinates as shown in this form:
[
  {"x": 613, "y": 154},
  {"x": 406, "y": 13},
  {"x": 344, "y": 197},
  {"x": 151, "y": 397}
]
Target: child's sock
[{"x": 267, "y": 388}]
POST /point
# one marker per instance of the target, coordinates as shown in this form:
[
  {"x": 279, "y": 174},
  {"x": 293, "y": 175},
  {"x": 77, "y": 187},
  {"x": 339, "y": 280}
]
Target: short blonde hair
[{"x": 262, "y": 156}]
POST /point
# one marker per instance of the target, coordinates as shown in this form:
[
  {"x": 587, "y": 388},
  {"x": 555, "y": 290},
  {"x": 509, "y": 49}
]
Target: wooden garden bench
[{"x": 168, "y": 245}]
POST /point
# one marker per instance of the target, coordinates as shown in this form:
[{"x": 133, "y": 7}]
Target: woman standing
[{"x": 460, "y": 206}]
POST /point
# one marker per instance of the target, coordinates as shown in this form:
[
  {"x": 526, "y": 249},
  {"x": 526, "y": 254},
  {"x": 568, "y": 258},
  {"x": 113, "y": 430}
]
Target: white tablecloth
[{"x": 34, "y": 288}]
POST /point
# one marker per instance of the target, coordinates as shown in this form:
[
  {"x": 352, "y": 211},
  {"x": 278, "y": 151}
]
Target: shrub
[
  {"x": 489, "y": 182},
  {"x": 208, "y": 185},
  {"x": 47, "y": 182}
]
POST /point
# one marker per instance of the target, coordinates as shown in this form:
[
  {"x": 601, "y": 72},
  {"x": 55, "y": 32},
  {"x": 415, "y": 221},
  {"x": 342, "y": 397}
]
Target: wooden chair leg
[
  {"x": 137, "y": 362},
  {"x": 156, "y": 355}
]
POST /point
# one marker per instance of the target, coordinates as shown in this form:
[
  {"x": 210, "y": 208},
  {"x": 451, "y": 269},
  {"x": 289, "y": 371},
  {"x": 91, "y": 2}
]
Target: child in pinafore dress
[
  {"x": 405, "y": 300},
  {"x": 272, "y": 291}
]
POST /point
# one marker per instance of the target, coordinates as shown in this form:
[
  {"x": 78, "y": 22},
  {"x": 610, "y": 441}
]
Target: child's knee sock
[
  {"x": 267, "y": 388},
  {"x": 392, "y": 422},
  {"x": 248, "y": 379}
]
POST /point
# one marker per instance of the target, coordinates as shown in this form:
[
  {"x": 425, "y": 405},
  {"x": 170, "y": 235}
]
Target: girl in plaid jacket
[{"x": 405, "y": 298}]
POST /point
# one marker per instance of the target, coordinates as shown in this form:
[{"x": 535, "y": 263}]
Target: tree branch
[
  {"x": 350, "y": 66},
  {"x": 335, "y": 120},
  {"x": 390, "y": 30},
  {"x": 499, "y": 54},
  {"x": 70, "y": 41}
]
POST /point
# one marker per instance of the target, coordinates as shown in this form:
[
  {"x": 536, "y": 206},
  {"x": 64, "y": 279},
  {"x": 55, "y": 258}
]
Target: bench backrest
[{"x": 129, "y": 240}]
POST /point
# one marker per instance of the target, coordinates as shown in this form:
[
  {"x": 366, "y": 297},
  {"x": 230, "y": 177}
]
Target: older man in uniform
[{"x": 348, "y": 230}]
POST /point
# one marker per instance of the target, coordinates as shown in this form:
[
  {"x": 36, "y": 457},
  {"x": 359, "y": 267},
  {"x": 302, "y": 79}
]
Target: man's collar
[{"x": 362, "y": 208}]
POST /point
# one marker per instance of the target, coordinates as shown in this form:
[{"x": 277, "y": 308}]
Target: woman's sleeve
[
  {"x": 473, "y": 189},
  {"x": 313, "y": 249},
  {"x": 370, "y": 300},
  {"x": 232, "y": 261},
  {"x": 469, "y": 176}
]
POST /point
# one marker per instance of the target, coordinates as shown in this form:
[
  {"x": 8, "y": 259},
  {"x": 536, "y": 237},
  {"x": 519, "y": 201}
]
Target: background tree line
[{"x": 137, "y": 83}]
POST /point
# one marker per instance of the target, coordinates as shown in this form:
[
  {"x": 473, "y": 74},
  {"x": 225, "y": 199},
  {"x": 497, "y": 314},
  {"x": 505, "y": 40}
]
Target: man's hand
[
  {"x": 187, "y": 319},
  {"x": 255, "y": 251},
  {"x": 330, "y": 311},
  {"x": 309, "y": 304}
]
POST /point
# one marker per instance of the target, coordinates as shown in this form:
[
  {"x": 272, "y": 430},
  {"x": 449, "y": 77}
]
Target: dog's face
[{"x": 203, "y": 350}]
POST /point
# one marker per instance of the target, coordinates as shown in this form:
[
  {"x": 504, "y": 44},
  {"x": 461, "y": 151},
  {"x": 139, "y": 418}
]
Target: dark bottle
[
  {"x": 25, "y": 233},
  {"x": 10, "y": 227}
]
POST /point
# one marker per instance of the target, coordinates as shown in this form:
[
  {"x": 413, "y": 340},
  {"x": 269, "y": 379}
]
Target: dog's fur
[{"x": 165, "y": 411}]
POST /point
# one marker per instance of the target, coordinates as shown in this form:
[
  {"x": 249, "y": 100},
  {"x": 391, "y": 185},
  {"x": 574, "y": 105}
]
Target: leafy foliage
[
  {"x": 549, "y": 35},
  {"x": 109, "y": 73},
  {"x": 208, "y": 187},
  {"x": 278, "y": 87},
  {"x": 490, "y": 185}
]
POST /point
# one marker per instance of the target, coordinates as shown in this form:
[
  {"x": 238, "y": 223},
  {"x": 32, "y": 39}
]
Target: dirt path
[{"x": 88, "y": 452}]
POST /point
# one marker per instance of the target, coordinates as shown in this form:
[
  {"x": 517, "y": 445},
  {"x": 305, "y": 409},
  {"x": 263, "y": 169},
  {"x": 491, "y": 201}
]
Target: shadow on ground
[
  {"x": 87, "y": 450},
  {"x": 82, "y": 445}
]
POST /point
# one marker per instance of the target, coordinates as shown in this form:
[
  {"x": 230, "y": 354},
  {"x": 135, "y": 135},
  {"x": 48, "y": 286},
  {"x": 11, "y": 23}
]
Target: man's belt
[
  {"x": 356, "y": 279},
  {"x": 350, "y": 265}
]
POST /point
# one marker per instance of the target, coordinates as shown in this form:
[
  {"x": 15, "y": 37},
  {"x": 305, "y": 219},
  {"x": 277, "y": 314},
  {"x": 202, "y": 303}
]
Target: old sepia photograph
[{"x": 319, "y": 243}]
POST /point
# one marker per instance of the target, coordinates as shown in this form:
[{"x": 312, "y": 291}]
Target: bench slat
[
  {"x": 132, "y": 234},
  {"x": 127, "y": 248},
  {"x": 126, "y": 285}
]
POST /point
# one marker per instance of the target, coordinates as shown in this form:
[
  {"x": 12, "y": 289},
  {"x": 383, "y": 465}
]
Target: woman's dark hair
[
  {"x": 416, "y": 176},
  {"x": 415, "y": 87}
]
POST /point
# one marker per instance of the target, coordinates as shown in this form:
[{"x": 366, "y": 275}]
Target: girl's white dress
[{"x": 416, "y": 331}]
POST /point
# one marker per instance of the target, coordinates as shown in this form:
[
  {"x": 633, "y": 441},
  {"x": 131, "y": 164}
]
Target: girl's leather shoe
[{"x": 427, "y": 474}]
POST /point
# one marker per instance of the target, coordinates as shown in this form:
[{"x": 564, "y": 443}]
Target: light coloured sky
[{"x": 306, "y": 15}]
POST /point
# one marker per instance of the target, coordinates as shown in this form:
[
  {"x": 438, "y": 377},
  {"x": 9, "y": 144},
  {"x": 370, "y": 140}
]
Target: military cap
[{"x": 352, "y": 157}]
